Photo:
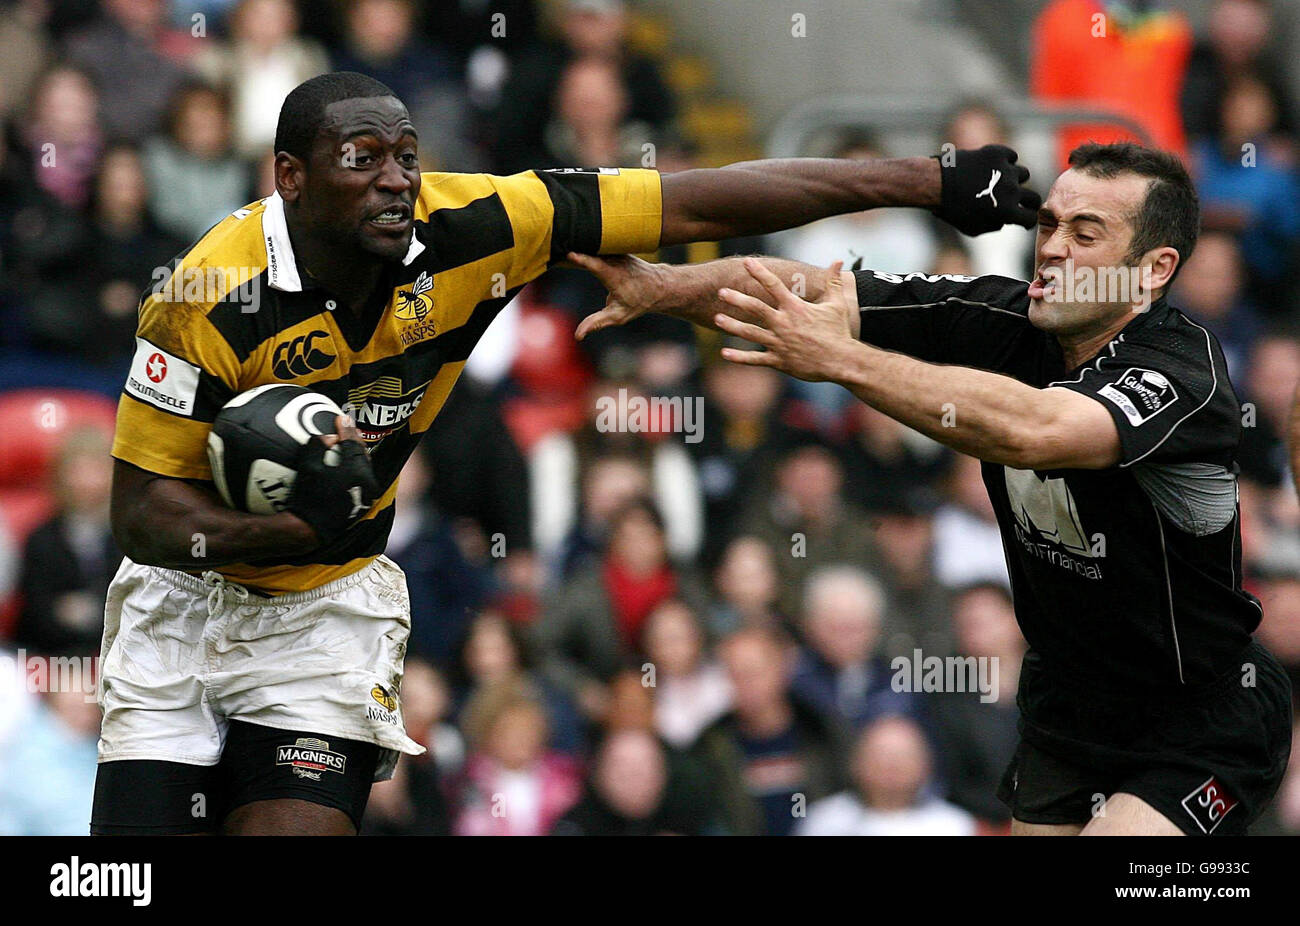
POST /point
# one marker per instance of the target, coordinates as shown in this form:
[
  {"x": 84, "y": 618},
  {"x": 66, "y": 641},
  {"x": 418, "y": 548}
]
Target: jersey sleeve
[
  {"x": 1169, "y": 397},
  {"x": 943, "y": 318},
  {"x": 182, "y": 372},
  {"x": 596, "y": 211}
]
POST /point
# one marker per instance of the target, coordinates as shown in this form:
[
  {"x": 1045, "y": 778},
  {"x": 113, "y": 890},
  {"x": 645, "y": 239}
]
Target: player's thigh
[
  {"x": 1021, "y": 828},
  {"x": 287, "y": 817},
  {"x": 295, "y": 782},
  {"x": 1128, "y": 815},
  {"x": 145, "y": 797}
]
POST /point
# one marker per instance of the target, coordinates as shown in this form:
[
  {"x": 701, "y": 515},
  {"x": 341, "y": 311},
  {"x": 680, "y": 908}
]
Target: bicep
[{"x": 1079, "y": 434}]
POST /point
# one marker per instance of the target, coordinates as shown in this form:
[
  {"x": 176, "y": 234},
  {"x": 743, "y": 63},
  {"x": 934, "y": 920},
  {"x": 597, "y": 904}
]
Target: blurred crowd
[{"x": 614, "y": 632}]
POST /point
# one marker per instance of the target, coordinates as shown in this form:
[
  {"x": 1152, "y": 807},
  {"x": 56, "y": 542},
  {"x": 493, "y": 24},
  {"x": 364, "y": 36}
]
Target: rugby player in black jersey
[{"x": 1108, "y": 431}]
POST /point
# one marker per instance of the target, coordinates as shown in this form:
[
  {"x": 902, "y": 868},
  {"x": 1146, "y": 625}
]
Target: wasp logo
[
  {"x": 300, "y": 356},
  {"x": 414, "y": 304},
  {"x": 381, "y": 695}
]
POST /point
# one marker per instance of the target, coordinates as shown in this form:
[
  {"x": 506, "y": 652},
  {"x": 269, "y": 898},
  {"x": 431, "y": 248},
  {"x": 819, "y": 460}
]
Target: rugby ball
[{"x": 255, "y": 440}]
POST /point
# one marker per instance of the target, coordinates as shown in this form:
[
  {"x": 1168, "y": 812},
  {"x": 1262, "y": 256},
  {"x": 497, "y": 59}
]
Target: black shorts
[
  {"x": 1209, "y": 760},
  {"x": 142, "y": 797}
]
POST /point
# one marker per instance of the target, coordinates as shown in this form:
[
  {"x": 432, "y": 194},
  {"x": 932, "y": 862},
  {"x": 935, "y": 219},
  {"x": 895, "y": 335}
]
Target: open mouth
[
  {"x": 1046, "y": 284},
  {"x": 396, "y": 216}
]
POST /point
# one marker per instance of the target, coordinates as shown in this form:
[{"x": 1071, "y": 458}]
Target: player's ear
[
  {"x": 289, "y": 171},
  {"x": 1163, "y": 262}
]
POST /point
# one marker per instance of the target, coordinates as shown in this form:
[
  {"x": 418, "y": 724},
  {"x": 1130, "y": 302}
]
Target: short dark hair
[
  {"x": 303, "y": 111},
  {"x": 1170, "y": 215}
]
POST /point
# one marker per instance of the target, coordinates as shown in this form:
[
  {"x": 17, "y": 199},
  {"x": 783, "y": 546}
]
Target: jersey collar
[{"x": 281, "y": 265}]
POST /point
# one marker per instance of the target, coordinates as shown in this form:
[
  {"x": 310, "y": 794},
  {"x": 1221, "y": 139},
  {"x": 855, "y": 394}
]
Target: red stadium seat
[{"x": 34, "y": 421}]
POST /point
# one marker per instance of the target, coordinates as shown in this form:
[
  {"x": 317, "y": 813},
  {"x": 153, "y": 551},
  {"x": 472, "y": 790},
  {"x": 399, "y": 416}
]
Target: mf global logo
[
  {"x": 1048, "y": 525},
  {"x": 382, "y": 406}
]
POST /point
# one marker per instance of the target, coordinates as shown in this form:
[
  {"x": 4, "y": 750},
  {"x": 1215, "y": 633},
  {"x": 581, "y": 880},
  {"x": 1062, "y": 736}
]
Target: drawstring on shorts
[{"x": 219, "y": 586}]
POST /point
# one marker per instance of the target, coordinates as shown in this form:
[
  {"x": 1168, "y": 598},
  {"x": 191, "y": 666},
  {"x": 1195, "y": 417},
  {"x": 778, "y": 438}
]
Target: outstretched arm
[
  {"x": 975, "y": 191},
  {"x": 987, "y": 415},
  {"x": 689, "y": 291}
]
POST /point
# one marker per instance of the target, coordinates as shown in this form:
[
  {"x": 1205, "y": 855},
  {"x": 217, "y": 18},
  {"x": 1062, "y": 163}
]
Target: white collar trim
[{"x": 281, "y": 265}]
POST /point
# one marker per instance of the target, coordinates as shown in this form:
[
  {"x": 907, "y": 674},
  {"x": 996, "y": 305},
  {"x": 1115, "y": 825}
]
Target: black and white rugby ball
[{"x": 254, "y": 443}]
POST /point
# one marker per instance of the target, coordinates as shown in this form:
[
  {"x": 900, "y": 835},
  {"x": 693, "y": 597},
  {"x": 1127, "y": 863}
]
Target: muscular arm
[
  {"x": 759, "y": 197},
  {"x": 157, "y": 521},
  {"x": 690, "y": 291},
  {"x": 987, "y": 415}
]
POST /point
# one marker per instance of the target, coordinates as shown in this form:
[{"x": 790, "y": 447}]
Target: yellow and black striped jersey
[{"x": 233, "y": 312}]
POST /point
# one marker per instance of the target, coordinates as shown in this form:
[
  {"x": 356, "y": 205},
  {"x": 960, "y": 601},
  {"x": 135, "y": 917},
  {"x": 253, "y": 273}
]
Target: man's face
[
  {"x": 1084, "y": 230},
  {"x": 362, "y": 178}
]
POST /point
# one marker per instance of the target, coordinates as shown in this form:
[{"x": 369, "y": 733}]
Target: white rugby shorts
[{"x": 182, "y": 656}]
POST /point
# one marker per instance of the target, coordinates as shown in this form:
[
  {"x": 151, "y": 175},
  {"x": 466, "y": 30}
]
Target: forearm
[
  {"x": 181, "y": 526},
  {"x": 760, "y": 197},
  {"x": 690, "y": 291},
  {"x": 987, "y": 415}
]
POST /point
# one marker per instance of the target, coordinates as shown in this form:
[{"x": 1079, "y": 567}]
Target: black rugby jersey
[
  {"x": 233, "y": 312},
  {"x": 1125, "y": 579}
]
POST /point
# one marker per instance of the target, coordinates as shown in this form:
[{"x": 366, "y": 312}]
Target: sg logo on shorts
[
  {"x": 1208, "y": 805},
  {"x": 310, "y": 758}
]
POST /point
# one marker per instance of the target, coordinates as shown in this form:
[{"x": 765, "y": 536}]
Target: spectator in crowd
[
  {"x": 195, "y": 180},
  {"x": 977, "y": 736},
  {"x": 381, "y": 39},
  {"x": 513, "y": 785},
  {"x": 479, "y": 473},
  {"x": 126, "y": 250},
  {"x": 61, "y": 136},
  {"x": 967, "y": 545},
  {"x": 807, "y": 521},
  {"x": 264, "y": 59},
  {"x": 1246, "y": 187},
  {"x": 446, "y": 588},
  {"x": 916, "y": 610},
  {"x": 1117, "y": 56},
  {"x": 884, "y": 459},
  {"x": 427, "y": 712},
  {"x": 772, "y": 752},
  {"x": 565, "y": 467},
  {"x": 590, "y": 127},
  {"x": 746, "y": 586},
  {"x": 1235, "y": 45},
  {"x": 1209, "y": 289},
  {"x": 748, "y": 429},
  {"x": 25, "y": 51},
  {"x": 1007, "y": 252},
  {"x": 70, "y": 559},
  {"x": 1266, "y": 392},
  {"x": 588, "y": 29},
  {"x": 496, "y": 656},
  {"x": 839, "y": 672},
  {"x": 595, "y": 623},
  {"x": 636, "y": 790},
  {"x": 891, "y": 767},
  {"x": 690, "y": 690},
  {"x": 47, "y": 773},
  {"x": 1279, "y": 595},
  {"x": 124, "y": 52}
]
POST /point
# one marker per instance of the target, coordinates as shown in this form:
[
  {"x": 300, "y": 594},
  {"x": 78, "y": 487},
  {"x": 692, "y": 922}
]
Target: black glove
[
  {"x": 982, "y": 191},
  {"x": 334, "y": 487}
]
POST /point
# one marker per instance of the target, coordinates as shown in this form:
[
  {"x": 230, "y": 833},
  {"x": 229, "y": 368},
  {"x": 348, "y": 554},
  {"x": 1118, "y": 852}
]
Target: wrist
[{"x": 926, "y": 191}]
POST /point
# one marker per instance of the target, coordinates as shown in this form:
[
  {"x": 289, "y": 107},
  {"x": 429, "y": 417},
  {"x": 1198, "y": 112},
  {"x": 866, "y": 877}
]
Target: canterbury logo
[{"x": 300, "y": 356}]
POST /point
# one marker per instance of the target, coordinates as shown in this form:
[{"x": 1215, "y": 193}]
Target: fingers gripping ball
[{"x": 257, "y": 441}]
